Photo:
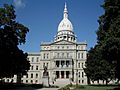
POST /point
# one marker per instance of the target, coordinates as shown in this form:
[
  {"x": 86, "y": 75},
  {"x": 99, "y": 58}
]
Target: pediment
[{"x": 63, "y": 42}]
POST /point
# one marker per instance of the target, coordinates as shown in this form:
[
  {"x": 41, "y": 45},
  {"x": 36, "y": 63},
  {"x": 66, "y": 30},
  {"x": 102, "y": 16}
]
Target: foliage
[
  {"x": 97, "y": 68},
  {"x": 65, "y": 88},
  {"x": 12, "y": 33},
  {"x": 104, "y": 59},
  {"x": 109, "y": 34},
  {"x": 96, "y": 88}
]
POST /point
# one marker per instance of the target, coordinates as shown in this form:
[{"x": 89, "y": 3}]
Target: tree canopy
[
  {"x": 12, "y": 33},
  {"x": 108, "y": 41}
]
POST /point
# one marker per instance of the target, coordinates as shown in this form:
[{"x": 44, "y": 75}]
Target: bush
[{"x": 81, "y": 87}]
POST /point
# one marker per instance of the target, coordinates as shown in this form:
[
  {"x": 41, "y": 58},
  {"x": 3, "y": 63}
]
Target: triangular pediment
[{"x": 63, "y": 42}]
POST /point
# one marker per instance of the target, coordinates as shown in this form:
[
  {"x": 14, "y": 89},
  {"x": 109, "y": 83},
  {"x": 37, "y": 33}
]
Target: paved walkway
[
  {"x": 29, "y": 88},
  {"x": 48, "y": 89}
]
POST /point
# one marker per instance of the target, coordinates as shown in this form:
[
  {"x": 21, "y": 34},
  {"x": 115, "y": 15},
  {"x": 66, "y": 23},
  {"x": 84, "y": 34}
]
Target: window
[
  {"x": 36, "y": 67},
  {"x": 82, "y": 74},
  {"x": 47, "y": 64},
  {"x": 82, "y": 81},
  {"x": 57, "y": 54},
  {"x": 78, "y": 65},
  {"x": 82, "y": 65},
  {"x": 79, "y": 81},
  {"x": 36, "y": 81},
  {"x": 32, "y": 59},
  {"x": 81, "y": 47},
  {"x": 31, "y": 75},
  {"x": 21, "y": 81},
  {"x": 26, "y": 75},
  {"x": 67, "y": 47},
  {"x": 79, "y": 74},
  {"x": 44, "y": 56},
  {"x": 47, "y": 55},
  {"x": 37, "y": 59},
  {"x": 36, "y": 75},
  {"x": 31, "y": 81},
  {"x": 62, "y": 54},
  {"x": 7, "y": 80},
  {"x": 67, "y": 54},
  {"x": 78, "y": 55},
  {"x": 32, "y": 67},
  {"x": 81, "y": 55},
  {"x": 43, "y": 65},
  {"x": 26, "y": 81},
  {"x": 64, "y": 37}
]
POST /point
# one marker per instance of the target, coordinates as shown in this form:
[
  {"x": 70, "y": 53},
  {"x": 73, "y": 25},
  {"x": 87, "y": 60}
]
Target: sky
[{"x": 42, "y": 17}]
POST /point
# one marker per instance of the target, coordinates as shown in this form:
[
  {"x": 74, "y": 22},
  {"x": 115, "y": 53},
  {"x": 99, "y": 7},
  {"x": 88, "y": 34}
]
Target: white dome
[{"x": 65, "y": 24}]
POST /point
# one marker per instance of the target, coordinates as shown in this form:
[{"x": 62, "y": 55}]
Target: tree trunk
[{"x": 106, "y": 82}]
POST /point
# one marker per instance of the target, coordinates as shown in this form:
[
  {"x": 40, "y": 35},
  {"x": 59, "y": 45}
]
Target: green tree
[
  {"x": 96, "y": 67},
  {"x": 105, "y": 56},
  {"x": 109, "y": 34},
  {"x": 13, "y": 61}
]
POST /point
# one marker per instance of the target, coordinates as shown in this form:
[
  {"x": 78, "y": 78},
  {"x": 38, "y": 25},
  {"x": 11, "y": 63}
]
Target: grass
[{"x": 96, "y": 88}]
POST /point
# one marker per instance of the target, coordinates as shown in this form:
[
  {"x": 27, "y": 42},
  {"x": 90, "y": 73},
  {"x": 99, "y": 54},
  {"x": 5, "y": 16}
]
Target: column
[
  {"x": 64, "y": 74},
  {"x": 65, "y": 64},
  {"x": 59, "y": 64},
  {"x": 59, "y": 74}
]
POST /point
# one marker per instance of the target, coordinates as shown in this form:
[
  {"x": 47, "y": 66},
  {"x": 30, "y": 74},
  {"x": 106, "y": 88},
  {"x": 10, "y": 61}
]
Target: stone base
[{"x": 45, "y": 81}]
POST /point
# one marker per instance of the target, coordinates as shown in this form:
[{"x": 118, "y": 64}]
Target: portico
[{"x": 63, "y": 74}]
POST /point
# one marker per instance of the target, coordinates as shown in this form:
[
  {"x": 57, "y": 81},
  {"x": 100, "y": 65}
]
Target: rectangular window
[
  {"x": 44, "y": 56},
  {"x": 32, "y": 59},
  {"x": 36, "y": 75},
  {"x": 82, "y": 74},
  {"x": 47, "y": 56},
  {"x": 26, "y": 75},
  {"x": 62, "y": 54},
  {"x": 78, "y": 55},
  {"x": 43, "y": 65},
  {"x": 37, "y": 59},
  {"x": 36, "y": 81},
  {"x": 67, "y": 55},
  {"x": 57, "y": 54},
  {"x": 26, "y": 81},
  {"x": 28, "y": 59},
  {"x": 47, "y": 64},
  {"x": 36, "y": 67},
  {"x": 31, "y": 81},
  {"x": 82, "y": 81},
  {"x": 82, "y": 55},
  {"x": 78, "y": 65},
  {"x": 82, "y": 65},
  {"x": 21, "y": 81},
  {"x": 31, "y": 75},
  {"x": 32, "y": 67},
  {"x": 79, "y": 74}
]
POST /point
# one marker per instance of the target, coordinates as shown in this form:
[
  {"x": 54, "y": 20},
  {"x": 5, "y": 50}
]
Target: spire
[{"x": 65, "y": 11}]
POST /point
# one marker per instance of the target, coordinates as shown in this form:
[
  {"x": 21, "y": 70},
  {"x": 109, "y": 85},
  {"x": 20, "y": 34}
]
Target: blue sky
[{"x": 43, "y": 16}]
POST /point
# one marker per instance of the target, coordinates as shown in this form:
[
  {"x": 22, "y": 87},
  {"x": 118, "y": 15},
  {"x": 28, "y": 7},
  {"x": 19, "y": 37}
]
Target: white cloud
[{"x": 19, "y": 3}]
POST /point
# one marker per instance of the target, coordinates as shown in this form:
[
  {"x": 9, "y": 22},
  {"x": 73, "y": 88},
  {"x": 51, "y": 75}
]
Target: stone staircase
[{"x": 62, "y": 82}]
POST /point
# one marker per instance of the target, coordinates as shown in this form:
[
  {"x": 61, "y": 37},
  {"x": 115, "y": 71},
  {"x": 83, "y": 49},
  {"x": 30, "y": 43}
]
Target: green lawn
[{"x": 96, "y": 88}]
